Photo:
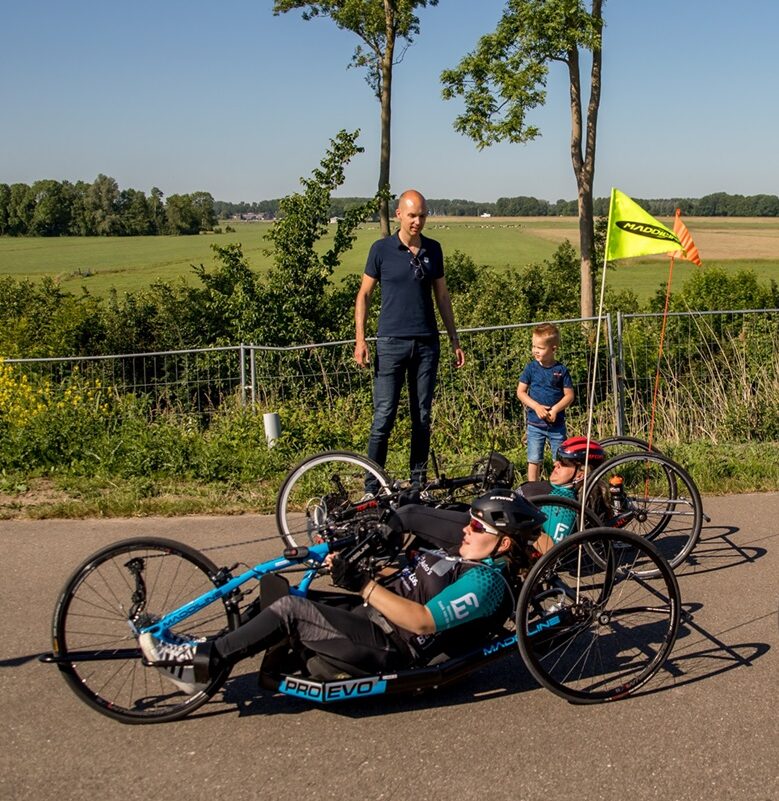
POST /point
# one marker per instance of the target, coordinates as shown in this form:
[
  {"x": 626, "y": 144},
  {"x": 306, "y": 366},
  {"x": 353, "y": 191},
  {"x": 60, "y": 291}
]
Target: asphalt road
[{"x": 705, "y": 728}]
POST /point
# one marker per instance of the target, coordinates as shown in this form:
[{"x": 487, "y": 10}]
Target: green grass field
[{"x": 131, "y": 263}]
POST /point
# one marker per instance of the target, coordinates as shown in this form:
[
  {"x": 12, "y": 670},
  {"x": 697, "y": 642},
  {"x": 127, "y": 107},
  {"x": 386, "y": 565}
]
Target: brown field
[{"x": 717, "y": 238}]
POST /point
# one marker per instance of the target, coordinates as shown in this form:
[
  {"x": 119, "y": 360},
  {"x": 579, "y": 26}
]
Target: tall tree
[
  {"x": 5, "y": 199},
  {"x": 51, "y": 216},
  {"x": 157, "y": 210},
  {"x": 300, "y": 275},
  {"x": 380, "y": 24},
  {"x": 182, "y": 217},
  {"x": 102, "y": 203},
  {"x": 203, "y": 205},
  {"x": 21, "y": 206},
  {"x": 505, "y": 77},
  {"x": 81, "y": 219},
  {"x": 134, "y": 213}
]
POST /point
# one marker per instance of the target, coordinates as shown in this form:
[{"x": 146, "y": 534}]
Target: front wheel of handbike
[
  {"x": 123, "y": 586},
  {"x": 594, "y": 629},
  {"x": 318, "y": 488}
]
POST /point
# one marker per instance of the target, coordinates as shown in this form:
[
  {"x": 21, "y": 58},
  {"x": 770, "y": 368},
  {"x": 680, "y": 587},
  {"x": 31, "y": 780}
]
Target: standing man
[{"x": 410, "y": 269}]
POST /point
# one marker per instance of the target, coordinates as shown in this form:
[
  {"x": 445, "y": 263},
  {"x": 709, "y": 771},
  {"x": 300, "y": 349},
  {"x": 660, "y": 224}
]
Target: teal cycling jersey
[
  {"x": 476, "y": 594},
  {"x": 560, "y": 521},
  {"x": 454, "y": 591}
]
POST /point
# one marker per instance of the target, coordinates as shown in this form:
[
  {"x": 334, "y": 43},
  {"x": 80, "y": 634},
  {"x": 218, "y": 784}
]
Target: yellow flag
[{"x": 632, "y": 232}]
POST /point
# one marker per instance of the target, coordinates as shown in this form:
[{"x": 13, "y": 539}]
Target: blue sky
[{"x": 227, "y": 98}]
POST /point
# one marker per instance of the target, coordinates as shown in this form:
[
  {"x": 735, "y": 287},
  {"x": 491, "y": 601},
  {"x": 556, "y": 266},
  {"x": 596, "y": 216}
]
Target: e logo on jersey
[{"x": 462, "y": 606}]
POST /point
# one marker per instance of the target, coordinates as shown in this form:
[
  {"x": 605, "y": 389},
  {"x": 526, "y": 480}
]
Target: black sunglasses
[{"x": 419, "y": 270}]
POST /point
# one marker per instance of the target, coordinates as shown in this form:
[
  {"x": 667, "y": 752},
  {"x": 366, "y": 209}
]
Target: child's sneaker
[{"x": 183, "y": 675}]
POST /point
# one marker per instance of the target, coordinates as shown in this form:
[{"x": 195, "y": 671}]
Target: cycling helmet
[
  {"x": 574, "y": 449},
  {"x": 503, "y": 512}
]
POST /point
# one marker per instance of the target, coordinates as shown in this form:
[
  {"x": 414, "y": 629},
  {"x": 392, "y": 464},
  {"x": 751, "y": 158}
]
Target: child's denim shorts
[{"x": 537, "y": 438}]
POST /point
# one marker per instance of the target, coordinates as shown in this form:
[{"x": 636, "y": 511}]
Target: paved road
[{"x": 705, "y": 728}]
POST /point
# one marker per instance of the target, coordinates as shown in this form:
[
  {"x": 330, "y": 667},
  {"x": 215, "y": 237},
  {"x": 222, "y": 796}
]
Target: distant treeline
[
  {"x": 100, "y": 208},
  {"x": 61, "y": 208},
  {"x": 719, "y": 204}
]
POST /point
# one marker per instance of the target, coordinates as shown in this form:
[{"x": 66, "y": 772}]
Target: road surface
[{"x": 704, "y": 729}]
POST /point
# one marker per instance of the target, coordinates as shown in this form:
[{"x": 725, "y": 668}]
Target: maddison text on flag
[{"x": 633, "y": 232}]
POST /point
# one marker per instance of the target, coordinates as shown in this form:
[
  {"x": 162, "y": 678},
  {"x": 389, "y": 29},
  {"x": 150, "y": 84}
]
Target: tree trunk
[
  {"x": 584, "y": 162},
  {"x": 586, "y": 245},
  {"x": 386, "y": 116}
]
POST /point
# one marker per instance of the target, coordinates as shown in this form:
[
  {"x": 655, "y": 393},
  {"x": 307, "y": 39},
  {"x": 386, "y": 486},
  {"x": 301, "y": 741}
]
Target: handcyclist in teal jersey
[
  {"x": 565, "y": 481},
  {"x": 401, "y": 621}
]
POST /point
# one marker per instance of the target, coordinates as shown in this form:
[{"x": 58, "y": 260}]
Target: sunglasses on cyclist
[{"x": 480, "y": 528}]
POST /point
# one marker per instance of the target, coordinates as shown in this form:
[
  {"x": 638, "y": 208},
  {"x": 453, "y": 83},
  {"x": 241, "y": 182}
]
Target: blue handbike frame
[
  {"x": 328, "y": 691},
  {"x": 547, "y": 626}
]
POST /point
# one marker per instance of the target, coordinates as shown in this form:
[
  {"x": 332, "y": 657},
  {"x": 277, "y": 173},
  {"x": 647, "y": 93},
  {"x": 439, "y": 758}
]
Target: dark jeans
[{"x": 399, "y": 359}]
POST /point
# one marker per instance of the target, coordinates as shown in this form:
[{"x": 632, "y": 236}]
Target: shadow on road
[
  {"x": 699, "y": 655},
  {"x": 718, "y": 550}
]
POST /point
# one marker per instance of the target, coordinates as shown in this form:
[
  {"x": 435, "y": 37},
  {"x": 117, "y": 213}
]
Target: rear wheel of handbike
[
  {"x": 659, "y": 501},
  {"x": 593, "y": 630}
]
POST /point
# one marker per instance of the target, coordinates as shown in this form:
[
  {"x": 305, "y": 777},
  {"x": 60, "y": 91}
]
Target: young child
[{"x": 546, "y": 390}]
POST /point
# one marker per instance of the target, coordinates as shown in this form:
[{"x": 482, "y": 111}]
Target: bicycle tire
[
  {"x": 306, "y": 498},
  {"x": 632, "y": 443},
  {"x": 593, "y": 632},
  {"x": 663, "y": 502},
  {"x": 93, "y": 615}
]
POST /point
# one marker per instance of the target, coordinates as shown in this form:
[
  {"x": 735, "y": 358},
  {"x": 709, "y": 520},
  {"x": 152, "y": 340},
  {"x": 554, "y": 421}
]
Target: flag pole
[
  {"x": 663, "y": 325},
  {"x": 591, "y": 401}
]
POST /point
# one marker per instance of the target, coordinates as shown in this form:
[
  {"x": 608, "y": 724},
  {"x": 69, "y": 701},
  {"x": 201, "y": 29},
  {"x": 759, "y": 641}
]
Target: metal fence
[
  {"x": 718, "y": 374},
  {"x": 703, "y": 354}
]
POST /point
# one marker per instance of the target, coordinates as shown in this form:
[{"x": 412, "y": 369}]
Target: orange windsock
[{"x": 690, "y": 252}]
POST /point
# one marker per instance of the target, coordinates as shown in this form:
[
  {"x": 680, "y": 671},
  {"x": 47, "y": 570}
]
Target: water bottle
[{"x": 616, "y": 493}]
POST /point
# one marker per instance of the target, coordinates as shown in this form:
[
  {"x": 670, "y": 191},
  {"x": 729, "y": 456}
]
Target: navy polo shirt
[
  {"x": 406, "y": 301},
  {"x": 545, "y": 385}
]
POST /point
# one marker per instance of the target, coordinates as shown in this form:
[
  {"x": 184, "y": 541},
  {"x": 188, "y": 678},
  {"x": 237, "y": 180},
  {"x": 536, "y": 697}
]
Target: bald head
[
  {"x": 411, "y": 196},
  {"x": 412, "y": 215}
]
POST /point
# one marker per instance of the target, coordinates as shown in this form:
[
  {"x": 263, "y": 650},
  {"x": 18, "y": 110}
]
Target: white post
[{"x": 272, "y": 424}]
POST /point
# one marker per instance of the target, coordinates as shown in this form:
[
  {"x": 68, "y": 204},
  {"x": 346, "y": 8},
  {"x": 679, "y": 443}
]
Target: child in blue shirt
[{"x": 546, "y": 390}]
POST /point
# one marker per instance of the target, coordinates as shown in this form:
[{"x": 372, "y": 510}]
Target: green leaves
[
  {"x": 505, "y": 76},
  {"x": 300, "y": 276}
]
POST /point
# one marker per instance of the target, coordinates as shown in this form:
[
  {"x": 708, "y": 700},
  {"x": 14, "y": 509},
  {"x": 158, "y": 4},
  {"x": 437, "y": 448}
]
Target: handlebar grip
[
  {"x": 300, "y": 552},
  {"x": 341, "y": 544}
]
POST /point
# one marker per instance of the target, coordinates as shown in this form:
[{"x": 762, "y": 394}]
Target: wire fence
[{"x": 717, "y": 368}]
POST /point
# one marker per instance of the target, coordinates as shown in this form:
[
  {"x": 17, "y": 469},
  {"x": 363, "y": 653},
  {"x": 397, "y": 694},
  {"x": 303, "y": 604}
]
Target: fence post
[
  {"x": 619, "y": 379},
  {"x": 242, "y": 359},
  {"x": 253, "y": 372}
]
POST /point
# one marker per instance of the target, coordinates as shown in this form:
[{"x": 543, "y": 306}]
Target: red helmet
[{"x": 574, "y": 449}]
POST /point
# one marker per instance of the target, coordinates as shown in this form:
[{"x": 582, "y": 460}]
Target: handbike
[
  {"x": 332, "y": 483},
  {"x": 588, "y": 629},
  {"x": 640, "y": 489}
]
